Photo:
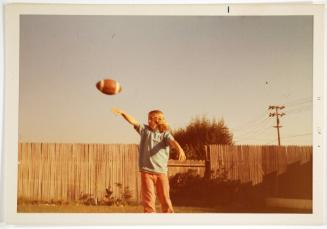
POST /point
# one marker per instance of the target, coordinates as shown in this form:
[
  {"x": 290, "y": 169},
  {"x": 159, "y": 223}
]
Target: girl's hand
[
  {"x": 116, "y": 111},
  {"x": 181, "y": 156},
  {"x": 175, "y": 145},
  {"x": 126, "y": 116}
]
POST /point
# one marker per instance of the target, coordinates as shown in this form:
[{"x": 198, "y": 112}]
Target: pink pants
[{"x": 160, "y": 182}]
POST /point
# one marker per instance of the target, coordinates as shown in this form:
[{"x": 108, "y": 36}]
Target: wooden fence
[
  {"x": 246, "y": 163},
  {"x": 63, "y": 172}
]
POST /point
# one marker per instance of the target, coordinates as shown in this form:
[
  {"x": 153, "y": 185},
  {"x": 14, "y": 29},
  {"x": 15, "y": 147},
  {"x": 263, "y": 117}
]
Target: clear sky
[{"x": 187, "y": 66}]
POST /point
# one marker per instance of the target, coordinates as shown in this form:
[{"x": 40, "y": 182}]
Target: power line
[
  {"x": 292, "y": 136},
  {"x": 257, "y": 130},
  {"x": 251, "y": 122},
  {"x": 253, "y": 127},
  {"x": 300, "y": 109},
  {"x": 298, "y": 135},
  {"x": 256, "y": 126},
  {"x": 297, "y": 104},
  {"x": 292, "y": 104},
  {"x": 247, "y": 137},
  {"x": 299, "y": 101}
]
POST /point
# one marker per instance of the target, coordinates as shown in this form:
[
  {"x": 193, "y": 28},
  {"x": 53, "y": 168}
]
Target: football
[{"x": 109, "y": 86}]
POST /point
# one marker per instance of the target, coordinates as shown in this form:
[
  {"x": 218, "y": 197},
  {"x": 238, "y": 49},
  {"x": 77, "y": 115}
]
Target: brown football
[{"x": 109, "y": 86}]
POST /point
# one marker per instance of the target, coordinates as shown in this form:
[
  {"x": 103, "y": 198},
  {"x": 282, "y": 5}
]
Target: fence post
[{"x": 207, "y": 173}]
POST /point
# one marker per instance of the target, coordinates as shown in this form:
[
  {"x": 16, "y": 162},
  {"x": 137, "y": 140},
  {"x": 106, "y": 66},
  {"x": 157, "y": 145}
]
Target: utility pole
[{"x": 276, "y": 113}]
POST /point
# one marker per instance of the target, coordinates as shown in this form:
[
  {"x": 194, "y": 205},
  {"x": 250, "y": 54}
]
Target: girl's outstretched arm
[{"x": 126, "y": 116}]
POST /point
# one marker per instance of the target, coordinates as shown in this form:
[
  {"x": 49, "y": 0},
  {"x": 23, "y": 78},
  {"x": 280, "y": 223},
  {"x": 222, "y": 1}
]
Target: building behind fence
[{"x": 63, "y": 172}]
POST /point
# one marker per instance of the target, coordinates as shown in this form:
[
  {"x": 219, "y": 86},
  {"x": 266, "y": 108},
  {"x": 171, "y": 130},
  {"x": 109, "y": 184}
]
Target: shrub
[
  {"x": 191, "y": 189},
  {"x": 200, "y": 132}
]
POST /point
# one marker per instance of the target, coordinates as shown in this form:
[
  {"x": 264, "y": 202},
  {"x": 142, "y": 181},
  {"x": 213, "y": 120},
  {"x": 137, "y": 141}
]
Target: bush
[
  {"x": 191, "y": 189},
  {"x": 202, "y": 132}
]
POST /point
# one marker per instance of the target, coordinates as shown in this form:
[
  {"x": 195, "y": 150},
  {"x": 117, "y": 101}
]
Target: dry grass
[
  {"x": 75, "y": 208},
  {"x": 47, "y": 208}
]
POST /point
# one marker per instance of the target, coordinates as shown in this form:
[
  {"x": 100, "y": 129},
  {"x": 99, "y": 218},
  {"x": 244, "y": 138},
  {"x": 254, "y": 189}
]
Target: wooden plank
[
  {"x": 260, "y": 165},
  {"x": 242, "y": 163}
]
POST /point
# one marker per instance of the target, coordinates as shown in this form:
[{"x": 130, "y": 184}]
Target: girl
[{"x": 153, "y": 159}]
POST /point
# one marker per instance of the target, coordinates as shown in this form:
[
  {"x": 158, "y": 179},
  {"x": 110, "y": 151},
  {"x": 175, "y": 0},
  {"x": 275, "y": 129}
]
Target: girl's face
[{"x": 154, "y": 120}]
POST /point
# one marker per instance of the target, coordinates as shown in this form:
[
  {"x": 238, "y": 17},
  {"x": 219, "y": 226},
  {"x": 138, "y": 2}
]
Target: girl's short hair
[{"x": 154, "y": 112}]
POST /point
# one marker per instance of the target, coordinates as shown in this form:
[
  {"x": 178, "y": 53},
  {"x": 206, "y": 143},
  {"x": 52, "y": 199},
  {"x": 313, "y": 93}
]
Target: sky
[{"x": 230, "y": 68}]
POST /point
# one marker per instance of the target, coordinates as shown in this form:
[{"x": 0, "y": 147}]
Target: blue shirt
[{"x": 154, "y": 149}]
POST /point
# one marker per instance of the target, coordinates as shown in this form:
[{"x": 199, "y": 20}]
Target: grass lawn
[
  {"x": 74, "y": 208},
  {"x": 45, "y": 208}
]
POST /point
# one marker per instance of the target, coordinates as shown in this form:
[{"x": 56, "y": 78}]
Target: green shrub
[{"x": 191, "y": 189}]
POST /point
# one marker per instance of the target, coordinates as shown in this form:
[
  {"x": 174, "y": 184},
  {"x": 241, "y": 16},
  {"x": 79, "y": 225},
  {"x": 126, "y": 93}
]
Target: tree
[{"x": 200, "y": 132}]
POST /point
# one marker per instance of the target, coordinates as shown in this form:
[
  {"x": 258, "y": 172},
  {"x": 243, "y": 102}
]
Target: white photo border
[{"x": 11, "y": 100}]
